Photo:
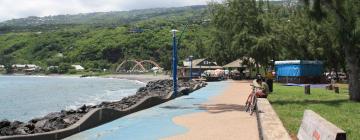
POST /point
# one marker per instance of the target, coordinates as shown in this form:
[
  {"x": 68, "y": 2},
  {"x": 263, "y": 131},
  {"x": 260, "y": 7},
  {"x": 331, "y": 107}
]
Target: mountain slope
[{"x": 102, "y": 18}]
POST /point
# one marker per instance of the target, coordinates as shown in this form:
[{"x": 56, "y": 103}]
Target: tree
[
  {"x": 347, "y": 16},
  {"x": 242, "y": 29},
  {"x": 7, "y": 61}
]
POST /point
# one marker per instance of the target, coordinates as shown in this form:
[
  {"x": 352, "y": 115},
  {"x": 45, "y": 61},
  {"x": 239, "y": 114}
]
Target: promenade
[
  {"x": 212, "y": 113},
  {"x": 223, "y": 119}
]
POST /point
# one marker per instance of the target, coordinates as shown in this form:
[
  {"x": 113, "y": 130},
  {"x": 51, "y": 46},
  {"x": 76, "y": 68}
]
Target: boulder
[
  {"x": 6, "y": 131},
  {"x": 54, "y": 115},
  {"x": 15, "y": 124},
  {"x": 22, "y": 131},
  {"x": 4, "y": 123},
  {"x": 33, "y": 121},
  {"x": 41, "y": 124}
]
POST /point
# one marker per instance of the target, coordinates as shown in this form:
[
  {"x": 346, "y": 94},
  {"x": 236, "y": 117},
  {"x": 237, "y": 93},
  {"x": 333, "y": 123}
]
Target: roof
[
  {"x": 197, "y": 61},
  {"x": 241, "y": 63},
  {"x": 25, "y": 65},
  {"x": 78, "y": 67},
  {"x": 298, "y": 62},
  {"x": 235, "y": 64}
]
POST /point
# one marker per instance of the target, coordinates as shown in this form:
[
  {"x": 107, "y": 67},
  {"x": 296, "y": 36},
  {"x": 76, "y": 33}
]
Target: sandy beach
[{"x": 224, "y": 118}]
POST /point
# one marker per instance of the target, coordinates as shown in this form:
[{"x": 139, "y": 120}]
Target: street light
[
  {"x": 174, "y": 58},
  {"x": 174, "y": 61},
  {"x": 190, "y": 59}
]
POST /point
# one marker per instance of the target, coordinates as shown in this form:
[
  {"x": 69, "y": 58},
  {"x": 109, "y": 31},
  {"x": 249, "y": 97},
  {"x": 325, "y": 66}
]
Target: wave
[{"x": 108, "y": 96}]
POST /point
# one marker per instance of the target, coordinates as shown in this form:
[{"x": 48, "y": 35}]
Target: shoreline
[
  {"x": 141, "y": 77},
  {"x": 66, "y": 118},
  {"x": 144, "y": 78}
]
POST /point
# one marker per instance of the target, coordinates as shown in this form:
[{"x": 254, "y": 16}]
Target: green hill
[
  {"x": 102, "y": 40},
  {"x": 109, "y": 19}
]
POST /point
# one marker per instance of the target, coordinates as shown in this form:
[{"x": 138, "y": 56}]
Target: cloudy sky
[{"x": 10, "y": 9}]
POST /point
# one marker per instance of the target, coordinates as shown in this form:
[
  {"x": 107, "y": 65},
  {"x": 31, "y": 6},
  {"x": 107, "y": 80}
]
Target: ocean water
[{"x": 25, "y": 97}]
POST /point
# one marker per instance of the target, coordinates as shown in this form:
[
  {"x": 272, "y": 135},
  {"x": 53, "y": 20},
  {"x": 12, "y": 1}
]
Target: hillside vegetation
[
  {"x": 223, "y": 32},
  {"x": 100, "y": 40}
]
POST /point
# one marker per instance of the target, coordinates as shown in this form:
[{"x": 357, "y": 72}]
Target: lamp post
[
  {"x": 174, "y": 62},
  {"x": 191, "y": 58}
]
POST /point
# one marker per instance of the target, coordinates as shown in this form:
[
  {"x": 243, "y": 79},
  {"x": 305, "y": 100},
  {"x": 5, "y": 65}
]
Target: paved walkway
[
  {"x": 212, "y": 113},
  {"x": 224, "y": 118}
]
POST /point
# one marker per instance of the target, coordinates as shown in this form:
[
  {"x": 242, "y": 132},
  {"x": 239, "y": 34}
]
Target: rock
[
  {"x": 6, "y": 131},
  {"x": 15, "y": 124},
  {"x": 185, "y": 90},
  {"x": 38, "y": 130},
  {"x": 83, "y": 108},
  {"x": 69, "y": 120},
  {"x": 30, "y": 126},
  {"x": 22, "y": 131},
  {"x": 57, "y": 124},
  {"x": 33, "y": 121},
  {"x": 41, "y": 124},
  {"x": 4, "y": 123},
  {"x": 71, "y": 111},
  {"x": 54, "y": 115}
]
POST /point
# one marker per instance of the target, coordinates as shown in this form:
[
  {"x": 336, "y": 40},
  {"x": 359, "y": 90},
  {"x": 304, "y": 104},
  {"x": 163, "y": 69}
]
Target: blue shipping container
[{"x": 297, "y": 68}]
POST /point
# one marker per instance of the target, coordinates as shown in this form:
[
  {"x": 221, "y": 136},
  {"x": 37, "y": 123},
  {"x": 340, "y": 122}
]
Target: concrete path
[
  {"x": 212, "y": 113},
  {"x": 223, "y": 119},
  {"x": 156, "y": 122}
]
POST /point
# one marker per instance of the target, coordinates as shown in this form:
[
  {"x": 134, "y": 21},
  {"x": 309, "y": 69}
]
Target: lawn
[{"x": 291, "y": 102}]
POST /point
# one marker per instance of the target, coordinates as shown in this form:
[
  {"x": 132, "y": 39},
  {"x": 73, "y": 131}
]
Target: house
[
  {"x": 2, "y": 67},
  {"x": 198, "y": 66},
  {"x": 241, "y": 68},
  {"x": 78, "y": 67},
  {"x": 25, "y": 68}
]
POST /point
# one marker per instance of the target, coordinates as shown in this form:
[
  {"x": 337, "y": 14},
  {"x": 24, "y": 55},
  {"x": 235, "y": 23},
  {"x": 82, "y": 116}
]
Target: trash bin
[{"x": 270, "y": 82}]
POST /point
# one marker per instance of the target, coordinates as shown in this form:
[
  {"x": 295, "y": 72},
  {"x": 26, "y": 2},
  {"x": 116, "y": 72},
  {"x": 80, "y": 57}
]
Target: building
[
  {"x": 78, "y": 67},
  {"x": 241, "y": 68},
  {"x": 27, "y": 68},
  {"x": 299, "y": 71},
  {"x": 198, "y": 67},
  {"x": 2, "y": 67}
]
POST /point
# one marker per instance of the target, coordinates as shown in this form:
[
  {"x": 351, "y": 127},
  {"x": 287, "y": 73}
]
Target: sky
[{"x": 12, "y": 9}]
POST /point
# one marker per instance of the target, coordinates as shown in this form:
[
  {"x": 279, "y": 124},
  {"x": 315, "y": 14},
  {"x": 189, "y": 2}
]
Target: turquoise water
[
  {"x": 153, "y": 123},
  {"x": 24, "y": 97}
]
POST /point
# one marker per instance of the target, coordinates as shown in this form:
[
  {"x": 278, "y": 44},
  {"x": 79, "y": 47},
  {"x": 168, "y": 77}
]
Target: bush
[
  {"x": 64, "y": 68},
  {"x": 72, "y": 71}
]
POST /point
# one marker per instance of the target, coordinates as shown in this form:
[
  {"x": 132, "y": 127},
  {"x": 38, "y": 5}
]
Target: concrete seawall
[
  {"x": 269, "y": 123},
  {"x": 98, "y": 117}
]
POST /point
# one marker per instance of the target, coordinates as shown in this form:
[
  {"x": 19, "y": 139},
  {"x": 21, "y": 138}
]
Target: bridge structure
[{"x": 135, "y": 66}]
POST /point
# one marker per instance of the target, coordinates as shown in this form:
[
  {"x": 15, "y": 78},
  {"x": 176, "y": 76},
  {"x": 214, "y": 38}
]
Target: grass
[{"x": 291, "y": 102}]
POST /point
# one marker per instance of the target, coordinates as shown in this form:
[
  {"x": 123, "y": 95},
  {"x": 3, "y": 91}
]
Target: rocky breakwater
[{"x": 65, "y": 118}]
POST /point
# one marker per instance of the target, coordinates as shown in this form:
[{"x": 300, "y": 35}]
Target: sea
[{"x": 23, "y": 98}]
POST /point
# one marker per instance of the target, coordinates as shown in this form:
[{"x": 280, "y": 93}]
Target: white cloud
[{"x": 10, "y": 9}]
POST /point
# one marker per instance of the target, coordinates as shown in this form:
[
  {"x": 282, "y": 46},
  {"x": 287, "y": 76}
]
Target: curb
[{"x": 269, "y": 124}]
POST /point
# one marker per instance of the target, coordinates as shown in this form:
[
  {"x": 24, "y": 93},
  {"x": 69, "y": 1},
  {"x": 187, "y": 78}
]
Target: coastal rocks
[
  {"x": 65, "y": 118},
  {"x": 4, "y": 123}
]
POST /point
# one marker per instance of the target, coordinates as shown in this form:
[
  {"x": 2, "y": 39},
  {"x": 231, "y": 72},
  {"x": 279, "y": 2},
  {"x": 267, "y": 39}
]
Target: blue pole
[{"x": 174, "y": 61}]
